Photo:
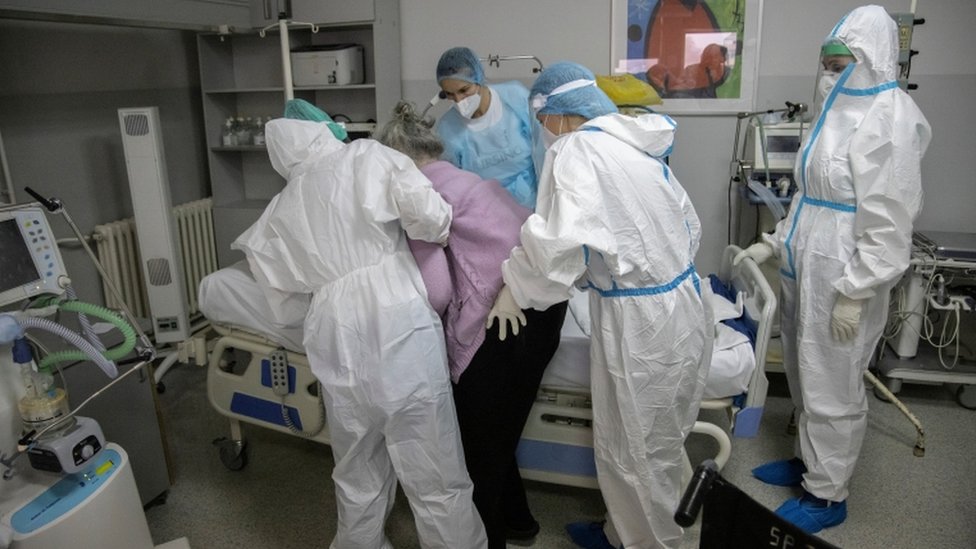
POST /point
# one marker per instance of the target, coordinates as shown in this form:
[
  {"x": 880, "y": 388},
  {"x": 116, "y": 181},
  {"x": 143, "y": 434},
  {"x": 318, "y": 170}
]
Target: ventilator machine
[
  {"x": 764, "y": 152},
  {"x": 73, "y": 488},
  {"x": 769, "y": 149}
]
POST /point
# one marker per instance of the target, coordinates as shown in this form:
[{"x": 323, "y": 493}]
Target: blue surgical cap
[
  {"x": 575, "y": 90},
  {"x": 460, "y": 64},
  {"x": 299, "y": 109}
]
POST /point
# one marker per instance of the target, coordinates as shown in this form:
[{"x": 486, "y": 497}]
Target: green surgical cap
[
  {"x": 299, "y": 109},
  {"x": 835, "y": 48}
]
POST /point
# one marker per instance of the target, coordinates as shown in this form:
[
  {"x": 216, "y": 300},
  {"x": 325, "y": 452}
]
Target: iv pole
[{"x": 282, "y": 25}]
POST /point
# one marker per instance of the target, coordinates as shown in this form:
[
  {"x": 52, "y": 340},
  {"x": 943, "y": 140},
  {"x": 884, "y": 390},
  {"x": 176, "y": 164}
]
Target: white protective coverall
[
  {"x": 849, "y": 231},
  {"x": 373, "y": 341},
  {"x": 612, "y": 218}
]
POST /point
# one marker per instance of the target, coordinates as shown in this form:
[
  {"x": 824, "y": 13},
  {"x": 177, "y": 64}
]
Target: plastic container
[{"x": 626, "y": 89}]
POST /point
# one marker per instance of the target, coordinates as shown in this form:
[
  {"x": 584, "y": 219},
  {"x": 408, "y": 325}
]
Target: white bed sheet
[
  {"x": 733, "y": 358},
  {"x": 231, "y": 296}
]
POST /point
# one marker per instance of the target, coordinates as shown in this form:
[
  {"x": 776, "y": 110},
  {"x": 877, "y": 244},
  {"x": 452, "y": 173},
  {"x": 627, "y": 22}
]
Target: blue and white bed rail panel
[{"x": 761, "y": 305}]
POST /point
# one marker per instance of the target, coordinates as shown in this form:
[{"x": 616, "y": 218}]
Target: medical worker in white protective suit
[
  {"x": 843, "y": 246},
  {"x": 338, "y": 231},
  {"x": 612, "y": 219}
]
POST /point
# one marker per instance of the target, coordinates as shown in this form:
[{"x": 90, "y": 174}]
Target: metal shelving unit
[{"x": 241, "y": 74}]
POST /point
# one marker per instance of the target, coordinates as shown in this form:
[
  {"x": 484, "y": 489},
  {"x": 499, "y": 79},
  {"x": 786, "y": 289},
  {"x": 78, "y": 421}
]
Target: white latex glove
[
  {"x": 759, "y": 252},
  {"x": 507, "y": 311},
  {"x": 845, "y": 317}
]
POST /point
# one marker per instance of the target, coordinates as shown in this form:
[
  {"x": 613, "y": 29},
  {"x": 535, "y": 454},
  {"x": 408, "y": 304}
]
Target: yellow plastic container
[{"x": 626, "y": 89}]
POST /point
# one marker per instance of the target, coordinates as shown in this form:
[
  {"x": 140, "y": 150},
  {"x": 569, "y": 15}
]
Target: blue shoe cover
[
  {"x": 588, "y": 535},
  {"x": 812, "y": 514},
  {"x": 785, "y": 472}
]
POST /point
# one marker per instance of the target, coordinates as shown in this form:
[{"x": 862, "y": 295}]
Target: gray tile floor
[{"x": 283, "y": 498}]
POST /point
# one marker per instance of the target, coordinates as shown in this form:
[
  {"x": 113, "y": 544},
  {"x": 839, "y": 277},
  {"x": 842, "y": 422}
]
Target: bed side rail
[{"x": 748, "y": 278}]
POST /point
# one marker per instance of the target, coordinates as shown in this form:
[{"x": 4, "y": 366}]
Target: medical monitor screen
[
  {"x": 18, "y": 264},
  {"x": 782, "y": 143}
]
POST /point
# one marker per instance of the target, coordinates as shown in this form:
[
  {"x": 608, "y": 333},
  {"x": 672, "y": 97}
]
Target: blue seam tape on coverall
[
  {"x": 804, "y": 199},
  {"x": 651, "y": 290}
]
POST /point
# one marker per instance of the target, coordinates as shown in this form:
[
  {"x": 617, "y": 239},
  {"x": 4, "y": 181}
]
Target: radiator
[{"x": 118, "y": 252}]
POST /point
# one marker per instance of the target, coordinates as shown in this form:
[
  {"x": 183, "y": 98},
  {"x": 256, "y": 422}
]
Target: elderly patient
[
  {"x": 496, "y": 375},
  {"x": 338, "y": 231}
]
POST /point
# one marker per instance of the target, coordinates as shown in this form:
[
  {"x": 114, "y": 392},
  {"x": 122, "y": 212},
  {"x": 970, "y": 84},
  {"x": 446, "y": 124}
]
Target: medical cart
[{"x": 935, "y": 302}]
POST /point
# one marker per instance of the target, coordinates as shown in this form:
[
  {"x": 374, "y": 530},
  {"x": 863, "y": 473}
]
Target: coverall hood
[
  {"x": 847, "y": 237},
  {"x": 872, "y": 36},
  {"x": 292, "y": 142},
  {"x": 652, "y": 134}
]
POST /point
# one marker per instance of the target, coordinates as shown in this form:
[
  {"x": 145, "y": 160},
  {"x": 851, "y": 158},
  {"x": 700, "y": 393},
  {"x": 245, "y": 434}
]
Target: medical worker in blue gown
[
  {"x": 612, "y": 219},
  {"x": 843, "y": 246},
  {"x": 489, "y": 130},
  {"x": 338, "y": 231}
]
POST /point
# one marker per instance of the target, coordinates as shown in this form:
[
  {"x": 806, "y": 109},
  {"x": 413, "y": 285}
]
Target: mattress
[
  {"x": 232, "y": 297},
  {"x": 732, "y": 364}
]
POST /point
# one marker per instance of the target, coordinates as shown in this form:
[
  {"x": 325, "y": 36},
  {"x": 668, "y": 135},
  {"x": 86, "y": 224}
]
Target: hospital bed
[
  {"x": 557, "y": 442},
  {"x": 258, "y": 374},
  {"x": 251, "y": 345}
]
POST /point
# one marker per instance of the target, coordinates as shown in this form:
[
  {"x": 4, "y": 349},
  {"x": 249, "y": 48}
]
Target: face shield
[
  {"x": 835, "y": 58},
  {"x": 553, "y": 126},
  {"x": 538, "y": 148}
]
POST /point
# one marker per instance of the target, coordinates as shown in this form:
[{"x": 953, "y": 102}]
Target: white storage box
[{"x": 327, "y": 65}]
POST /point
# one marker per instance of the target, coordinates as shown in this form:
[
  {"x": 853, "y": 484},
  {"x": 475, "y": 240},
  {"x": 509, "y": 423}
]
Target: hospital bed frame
[
  {"x": 240, "y": 386},
  {"x": 557, "y": 442}
]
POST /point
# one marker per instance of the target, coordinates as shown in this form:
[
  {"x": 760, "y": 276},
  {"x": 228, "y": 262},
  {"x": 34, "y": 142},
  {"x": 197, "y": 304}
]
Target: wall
[
  {"x": 60, "y": 91},
  {"x": 578, "y": 30},
  {"x": 62, "y": 84},
  {"x": 946, "y": 82}
]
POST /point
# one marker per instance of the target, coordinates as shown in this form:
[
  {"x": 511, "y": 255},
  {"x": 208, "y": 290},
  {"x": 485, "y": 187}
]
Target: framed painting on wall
[{"x": 701, "y": 56}]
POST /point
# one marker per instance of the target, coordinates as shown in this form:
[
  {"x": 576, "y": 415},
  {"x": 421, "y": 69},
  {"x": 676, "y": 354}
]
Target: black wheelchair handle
[{"x": 694, "y": 496}]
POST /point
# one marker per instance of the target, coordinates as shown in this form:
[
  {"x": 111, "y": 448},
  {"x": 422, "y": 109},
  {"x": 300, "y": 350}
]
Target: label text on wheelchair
[{"x": 779, "y": 538}]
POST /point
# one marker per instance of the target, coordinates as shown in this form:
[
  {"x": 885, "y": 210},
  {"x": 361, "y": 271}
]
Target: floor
[{"x": 283, "y": 497}]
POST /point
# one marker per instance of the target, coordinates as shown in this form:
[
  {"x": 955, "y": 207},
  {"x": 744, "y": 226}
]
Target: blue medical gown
[{"x": 502, "y": 151}]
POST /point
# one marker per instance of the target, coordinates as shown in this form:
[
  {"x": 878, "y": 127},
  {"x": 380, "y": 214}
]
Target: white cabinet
[
  {"x": 241, "y": 75},
  {"x": 265, "y": 12}
]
